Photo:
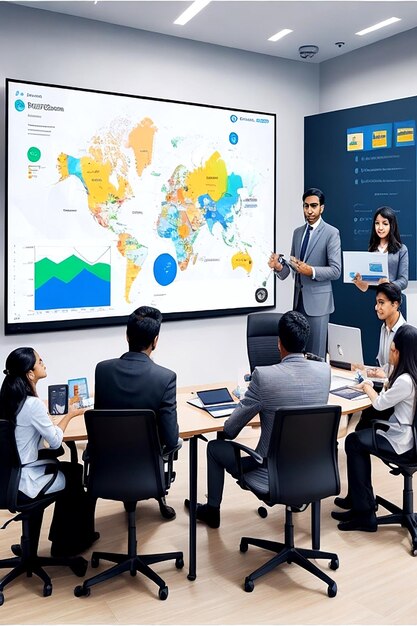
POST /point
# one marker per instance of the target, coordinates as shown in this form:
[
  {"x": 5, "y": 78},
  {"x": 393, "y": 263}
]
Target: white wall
[
  {"x": 383, "y": 71},
  {"x": 386, "y": 70},
  {"x": 41, "y": 46}
]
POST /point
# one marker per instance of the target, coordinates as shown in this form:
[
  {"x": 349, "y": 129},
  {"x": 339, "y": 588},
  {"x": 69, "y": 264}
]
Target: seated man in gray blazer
[
  {"x": 293, "y": 382},
  {"x": 316, "y": 261},
  {"x": 134, "y": 381}
]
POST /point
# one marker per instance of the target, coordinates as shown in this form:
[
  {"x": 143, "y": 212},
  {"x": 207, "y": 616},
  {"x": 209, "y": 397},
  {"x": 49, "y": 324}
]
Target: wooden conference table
[{"x": 193, "y": 425}]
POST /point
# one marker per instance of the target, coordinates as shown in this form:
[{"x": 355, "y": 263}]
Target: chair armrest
[
  {"x": 166, "y": 454},
  {"x": 238, "y": 449},
  {"x": 86, "y": 466},
  {"x": 168, "y": 457},
  {"x": 380, "y": 424}
]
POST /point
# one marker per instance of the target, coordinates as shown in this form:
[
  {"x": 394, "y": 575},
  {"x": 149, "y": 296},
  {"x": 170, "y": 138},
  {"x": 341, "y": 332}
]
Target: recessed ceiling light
[
  {"x": 280, "y": 34},
  {"x": 391, "y": 20},
  {"x": 193, "y": 9}
]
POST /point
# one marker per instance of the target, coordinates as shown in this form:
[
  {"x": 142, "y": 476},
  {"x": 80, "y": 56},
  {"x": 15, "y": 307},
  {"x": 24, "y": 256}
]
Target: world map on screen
[{"x": 172, "y": 208}]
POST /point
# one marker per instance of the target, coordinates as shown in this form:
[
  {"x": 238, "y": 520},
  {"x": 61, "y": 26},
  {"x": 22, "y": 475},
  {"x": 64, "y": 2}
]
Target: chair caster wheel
[
  {"x": 334, "y": 564},
  {"x": 163, "y": 593},
  {"x": 94, "y": 561},
  {"x": 262, "y": 512},
  {"x": 332, "y": 590},
  {"x": 249, "y": 585},
  {"x": 243, "y": 546},
  {"x": 47, "y": 590},
  {"x": 1, "y": 598},
  {"x": 414, "y": 550},
  {"x": 179, "y": 563},
  {"x": 80, "y": 590}
]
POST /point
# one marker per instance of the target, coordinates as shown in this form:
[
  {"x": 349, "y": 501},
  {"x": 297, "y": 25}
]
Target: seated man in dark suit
[
  {"x": 293, "y": 382},
  {"x": 134, "y": 381}
]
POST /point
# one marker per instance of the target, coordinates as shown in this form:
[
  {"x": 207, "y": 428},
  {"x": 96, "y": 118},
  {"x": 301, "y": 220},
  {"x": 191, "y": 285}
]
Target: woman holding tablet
[
  {"x": 386, "y": 238},
  {"x": 72, "y": 528},
  {"x": 398, "y": 439}
]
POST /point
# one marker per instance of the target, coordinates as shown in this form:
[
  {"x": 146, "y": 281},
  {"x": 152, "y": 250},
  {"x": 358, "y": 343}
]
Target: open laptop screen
[
  {"x": 344, "y": 344},
  {"x": 215, "y": 396}
]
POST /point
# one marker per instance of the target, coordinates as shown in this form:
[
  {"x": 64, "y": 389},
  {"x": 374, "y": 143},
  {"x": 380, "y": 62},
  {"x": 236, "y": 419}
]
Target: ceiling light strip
[
  {"x": 391, "y": 20},
  {"x": 280, "y": 34},
  {"x": 193, "y": 9}
]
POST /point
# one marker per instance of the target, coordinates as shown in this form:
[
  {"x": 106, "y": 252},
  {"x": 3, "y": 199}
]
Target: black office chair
[
  {"x": 299, "y": 469},
  {"x": 406, "y": 467},
  {"x": 125, "y": 463},
  {"x": 262, "y": 339},
  {"x": 30, "y": 513}
]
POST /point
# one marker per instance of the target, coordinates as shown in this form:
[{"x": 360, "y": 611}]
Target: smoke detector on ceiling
[{"x": 308, "y": 52}]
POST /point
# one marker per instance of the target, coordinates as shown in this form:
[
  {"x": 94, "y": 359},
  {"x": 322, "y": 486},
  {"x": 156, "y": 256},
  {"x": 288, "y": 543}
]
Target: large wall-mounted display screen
[{"x": 115, "y": 201}]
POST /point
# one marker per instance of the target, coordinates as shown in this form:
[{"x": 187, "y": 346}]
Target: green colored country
[{"x": 67, "y": 270}]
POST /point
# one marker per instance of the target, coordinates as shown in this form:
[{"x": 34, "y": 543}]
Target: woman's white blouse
[
  {"x": 401, "y": 396},
  {"x": 33, "y": 427}
]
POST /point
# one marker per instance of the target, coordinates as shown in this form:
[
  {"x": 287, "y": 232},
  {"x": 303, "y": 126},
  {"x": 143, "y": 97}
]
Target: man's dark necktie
[{"x": 305, "y": 243}]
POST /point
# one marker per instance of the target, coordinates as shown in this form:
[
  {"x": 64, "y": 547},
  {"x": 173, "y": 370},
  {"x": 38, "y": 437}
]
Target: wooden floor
[{"x": 376, "y": 579}]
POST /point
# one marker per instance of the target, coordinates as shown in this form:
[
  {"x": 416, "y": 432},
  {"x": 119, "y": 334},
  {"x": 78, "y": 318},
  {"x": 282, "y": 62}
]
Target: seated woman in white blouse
[
  {"x": 72, "y": 528},
  {"x": 398, "y": 439}
]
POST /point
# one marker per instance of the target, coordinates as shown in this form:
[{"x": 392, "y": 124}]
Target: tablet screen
[{"x": 215, "y": 396}]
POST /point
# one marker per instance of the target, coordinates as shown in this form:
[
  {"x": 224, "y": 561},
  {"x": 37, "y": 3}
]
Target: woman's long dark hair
[
  {"x": 405, "y": 340},
  {"x": 16, "y": 387},
  {"x": 394, "y": 237}
]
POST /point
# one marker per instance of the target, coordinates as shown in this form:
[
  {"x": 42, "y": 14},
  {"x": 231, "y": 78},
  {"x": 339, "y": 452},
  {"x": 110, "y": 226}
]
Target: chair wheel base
[
  {"x": 334, "y": 564},
  {"x": 47, "y": 590},
  {"x": 191, "y": 577},
  {"x": 332, "y": 590},
  {"x": 80, "y": 590},
  {"x": 262, "y": 512},
  {"x": 163, "y": 593},
  {"x": 1, "y": 598},
  {"x": 249, "y": 585}
]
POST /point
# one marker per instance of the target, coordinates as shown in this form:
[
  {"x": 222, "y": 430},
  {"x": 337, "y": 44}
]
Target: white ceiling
[{"x": 246, "y": 25}]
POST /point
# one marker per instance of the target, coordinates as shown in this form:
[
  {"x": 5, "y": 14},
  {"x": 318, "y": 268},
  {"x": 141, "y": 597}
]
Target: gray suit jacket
[
  {"x": 135, "y": 382},
  {"x": 324, "y": 254},
  {"x": 293, "y": 382}
]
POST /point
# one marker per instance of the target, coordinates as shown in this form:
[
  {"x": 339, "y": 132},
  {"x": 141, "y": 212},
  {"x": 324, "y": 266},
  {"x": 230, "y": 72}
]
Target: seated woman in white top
[
  {"x": 72, "y": 528},
  {"x": 398, "y": 439},
  {"x": 19, "y": 403}
]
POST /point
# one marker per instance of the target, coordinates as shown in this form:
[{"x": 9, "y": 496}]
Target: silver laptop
[
  {"x": 217, "y": 402},
  {"x": 344, "y": 345}
]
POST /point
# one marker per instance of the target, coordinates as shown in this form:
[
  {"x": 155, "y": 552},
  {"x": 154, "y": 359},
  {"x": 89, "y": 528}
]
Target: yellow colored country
[
  {"x": 132, "y": 269},
  {"x": 63, "y": 166},
  {"x": 141, "y": 141},
  {"x": 242, "y": 259},
  {"x": 210, "y": 179}
]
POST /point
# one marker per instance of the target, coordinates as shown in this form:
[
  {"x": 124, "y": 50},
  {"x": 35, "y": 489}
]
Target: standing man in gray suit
[
  {"x": 292, "y": 382},
  {"x": 315, "y": 261}
]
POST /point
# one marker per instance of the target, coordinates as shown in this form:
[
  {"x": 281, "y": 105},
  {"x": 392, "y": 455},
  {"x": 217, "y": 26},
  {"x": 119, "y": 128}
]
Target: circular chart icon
[
  {"x": 165, "y": 269},
  {"x": 19, "y": 105},
  {"x": 34, "y": 154},
  {"x": 261, "y": 294},
  {"x": 233, "y": 138}
]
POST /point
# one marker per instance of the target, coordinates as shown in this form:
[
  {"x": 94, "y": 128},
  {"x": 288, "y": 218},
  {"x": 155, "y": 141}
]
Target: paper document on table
[
  {"x": 370, "y": 265},
  {"x": 341, "y": 381}
]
